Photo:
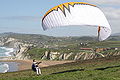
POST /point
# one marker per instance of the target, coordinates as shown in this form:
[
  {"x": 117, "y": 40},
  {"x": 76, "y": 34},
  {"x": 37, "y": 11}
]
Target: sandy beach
[{"x": 26, "y": 64}]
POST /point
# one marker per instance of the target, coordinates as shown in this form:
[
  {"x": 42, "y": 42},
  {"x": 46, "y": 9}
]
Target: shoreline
[
  {"x": 26, "y": 64},
  {"x": 8, "y": 51}
]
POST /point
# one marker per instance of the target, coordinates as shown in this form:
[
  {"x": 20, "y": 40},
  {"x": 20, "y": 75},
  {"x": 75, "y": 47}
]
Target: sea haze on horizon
[{"x": 66, "y": 31}]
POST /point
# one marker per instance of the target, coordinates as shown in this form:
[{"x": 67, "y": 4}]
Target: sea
[
  {"x": 6, "y": 52},
  {"x": 7, "y": 66}
]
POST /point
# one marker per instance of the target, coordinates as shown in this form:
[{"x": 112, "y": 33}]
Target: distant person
[{"x": 35, "y": 67}]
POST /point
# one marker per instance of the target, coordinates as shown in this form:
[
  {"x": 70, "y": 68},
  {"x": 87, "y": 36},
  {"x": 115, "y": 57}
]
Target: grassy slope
[{"x": 99, "y": 69}]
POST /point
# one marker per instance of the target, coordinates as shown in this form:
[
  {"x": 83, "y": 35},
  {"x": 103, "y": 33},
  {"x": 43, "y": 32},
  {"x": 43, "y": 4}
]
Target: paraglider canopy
[{"x": 79, "y": 14}]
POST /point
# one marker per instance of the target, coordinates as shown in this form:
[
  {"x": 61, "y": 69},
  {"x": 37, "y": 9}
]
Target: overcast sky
[{"x": 24, "y": 16}]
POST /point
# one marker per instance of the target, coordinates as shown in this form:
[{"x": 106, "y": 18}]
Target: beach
[{"x": 26, "y": 64}]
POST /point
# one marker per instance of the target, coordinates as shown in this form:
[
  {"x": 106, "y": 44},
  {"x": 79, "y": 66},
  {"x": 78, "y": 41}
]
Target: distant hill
[
  {"x": 116, "y": 34},
  {"x": 114, "y": 37},
  {"x": 43, "y": 39}
]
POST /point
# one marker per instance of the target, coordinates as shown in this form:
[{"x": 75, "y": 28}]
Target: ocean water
[
  {"x": 4, "y": 52},
  {"x": 6, "y": 66}
]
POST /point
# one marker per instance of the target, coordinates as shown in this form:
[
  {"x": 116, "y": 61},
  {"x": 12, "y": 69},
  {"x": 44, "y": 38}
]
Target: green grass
[
  {"x": 96, "y": 69},
  {"x": 37, "y": 53}
]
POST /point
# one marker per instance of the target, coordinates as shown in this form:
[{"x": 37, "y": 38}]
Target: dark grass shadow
[
  {"x": 107, "y": 67},
  {"x": 74, "y": 70}
]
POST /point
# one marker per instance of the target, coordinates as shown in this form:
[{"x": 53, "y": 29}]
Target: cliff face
[
  {"x": 19, "y": 47},
  {"x": 77, "y": 56}
]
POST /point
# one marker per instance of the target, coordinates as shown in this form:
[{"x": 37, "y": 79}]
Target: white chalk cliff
[{"x": 19, "y": 47}]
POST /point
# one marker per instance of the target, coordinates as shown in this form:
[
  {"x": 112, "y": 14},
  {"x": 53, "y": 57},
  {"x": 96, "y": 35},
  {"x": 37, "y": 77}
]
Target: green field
[
  {"x": 38, "y": 53},
  {"x": 95, "y": 69}
]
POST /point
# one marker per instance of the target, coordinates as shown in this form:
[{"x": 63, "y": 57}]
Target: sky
[{"x": 24, "y": 16}]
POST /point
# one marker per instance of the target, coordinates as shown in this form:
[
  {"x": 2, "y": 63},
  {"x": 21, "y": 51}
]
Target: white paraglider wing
[{"x": 77, "y": 13}]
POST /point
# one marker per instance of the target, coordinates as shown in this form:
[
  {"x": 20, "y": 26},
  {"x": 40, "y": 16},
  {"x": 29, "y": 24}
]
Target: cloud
[
  {"x": 113, "y": 16},
  {"x": 108, "y": 2},
  {"x": 112, "y": 13}
]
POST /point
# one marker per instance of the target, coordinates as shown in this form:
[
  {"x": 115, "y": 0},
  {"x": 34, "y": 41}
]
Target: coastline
[
  {"x": 9, "y": 51},
  {"x": 26, "y": 64}
]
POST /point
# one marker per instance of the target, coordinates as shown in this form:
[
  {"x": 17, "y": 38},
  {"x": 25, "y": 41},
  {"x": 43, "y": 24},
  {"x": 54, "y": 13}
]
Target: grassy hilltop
[{"x": 96, "y": 69}]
